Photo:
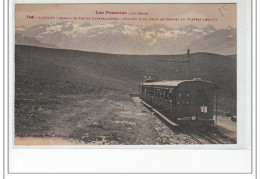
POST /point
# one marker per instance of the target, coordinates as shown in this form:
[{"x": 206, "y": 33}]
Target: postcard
[
  {"x": 125, "y": 74},
  {"x": 131, "y": 87}
]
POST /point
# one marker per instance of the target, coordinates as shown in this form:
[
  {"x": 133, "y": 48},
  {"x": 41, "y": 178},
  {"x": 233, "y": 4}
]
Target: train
[{"x": 193, "y": 101}]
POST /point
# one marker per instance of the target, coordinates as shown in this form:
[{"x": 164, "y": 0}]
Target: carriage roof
[{"x": 176, "y": 83}]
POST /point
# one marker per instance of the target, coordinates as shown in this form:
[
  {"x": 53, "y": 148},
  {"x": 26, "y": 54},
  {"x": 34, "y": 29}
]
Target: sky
[{"x": 223, "y": 14}]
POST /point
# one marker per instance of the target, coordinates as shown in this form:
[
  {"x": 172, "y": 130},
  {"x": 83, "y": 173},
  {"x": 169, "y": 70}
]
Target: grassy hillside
[{"x": 70, "y": 70}]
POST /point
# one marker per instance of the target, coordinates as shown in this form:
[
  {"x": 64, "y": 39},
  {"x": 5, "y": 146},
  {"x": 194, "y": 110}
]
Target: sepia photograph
[{"x": 125, "y": 74}]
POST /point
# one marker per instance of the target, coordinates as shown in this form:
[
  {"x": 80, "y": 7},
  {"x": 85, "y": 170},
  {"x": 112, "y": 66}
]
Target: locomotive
[{"x": 182, "y": 100}]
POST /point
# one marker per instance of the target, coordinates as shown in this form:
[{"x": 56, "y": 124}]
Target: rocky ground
[
  {"x": 87, "y": 119},
  {"x": 88, "y": 116}
]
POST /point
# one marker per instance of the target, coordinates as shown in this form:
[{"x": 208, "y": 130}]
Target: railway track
[
  {"x": 211, "y": 139},
  {"x": 224, "y": 137},
  {"x": 201, "y": 137},
  {"x": 196, "y": 137}
]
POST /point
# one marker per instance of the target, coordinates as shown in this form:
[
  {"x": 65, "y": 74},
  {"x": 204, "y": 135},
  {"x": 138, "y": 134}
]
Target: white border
[
  {"x": 142, "y": 159},
  {"x": 243, "y": 137}
]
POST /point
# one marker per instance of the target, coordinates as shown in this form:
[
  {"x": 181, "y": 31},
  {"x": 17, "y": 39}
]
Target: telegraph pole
[
  {"x": 156, "y": 77},
  {"x": 188, "y": 63},
  {"x": 185, "y": 60}
]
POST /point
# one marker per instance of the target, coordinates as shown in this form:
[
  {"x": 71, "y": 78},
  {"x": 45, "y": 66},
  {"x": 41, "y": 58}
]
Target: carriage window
[
  {"x": 143, "y": 89},
  {"x": 170, "y": 94},
  {"x": 150, "y": 90},
  {"x": 188, "y": 93},
  {"x": 180, "y": 94},
  {"x": 158, "y": 92},
  {"x": 167, "y": 94},
  {"x": 201, "y": 93},
  {"x": 163, "y": 93}
]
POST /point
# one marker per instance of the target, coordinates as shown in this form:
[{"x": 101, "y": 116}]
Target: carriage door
[{"x": 203, "y": 103}]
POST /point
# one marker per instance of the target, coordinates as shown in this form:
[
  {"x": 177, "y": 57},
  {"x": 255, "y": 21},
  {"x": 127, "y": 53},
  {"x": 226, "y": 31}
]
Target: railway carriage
[{"x": 182, "y": 100}]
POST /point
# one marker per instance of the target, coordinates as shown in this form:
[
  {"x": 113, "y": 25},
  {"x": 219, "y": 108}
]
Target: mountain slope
[
  {"x": 125, "y": 72},
  {"x": 120, "y": 38},
  {"x": 222, "y": 42},
  {"x": 21, "y": 39}
]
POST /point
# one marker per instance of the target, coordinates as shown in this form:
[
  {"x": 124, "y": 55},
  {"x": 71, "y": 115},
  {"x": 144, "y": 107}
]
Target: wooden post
[
  {"x": 156, "y": 74},
  {"x": 216, "y": 107},
  {"x": 188, "y": 64}
]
